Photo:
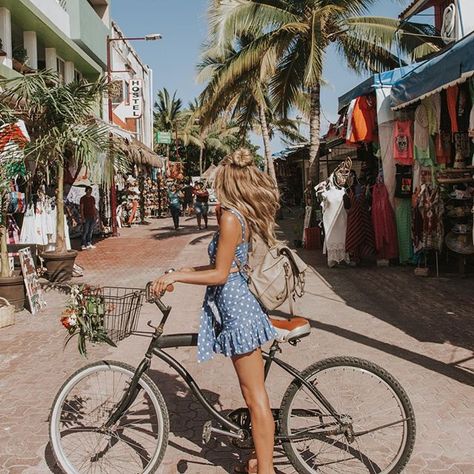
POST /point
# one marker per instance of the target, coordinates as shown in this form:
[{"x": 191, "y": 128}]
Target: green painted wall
[
  {"x": 88, "y": 30},
  {"x": 25, "y": 13}
]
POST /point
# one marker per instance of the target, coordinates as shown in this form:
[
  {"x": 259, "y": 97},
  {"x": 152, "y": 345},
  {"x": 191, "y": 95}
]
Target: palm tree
[
  {"x": 216, "y": 135},
  {"x": 60, "y": 120},
  {"x": 166, "y": 114},
  {"x": 246, "y": 99},
  {"x": 291, "y": 42}
]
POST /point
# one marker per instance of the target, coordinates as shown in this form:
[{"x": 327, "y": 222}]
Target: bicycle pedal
[{"x": 207, "y": 432}]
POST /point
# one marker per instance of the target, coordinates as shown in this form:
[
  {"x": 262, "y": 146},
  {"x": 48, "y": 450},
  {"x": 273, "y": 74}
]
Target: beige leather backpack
[{"x": 275, "y": 274}]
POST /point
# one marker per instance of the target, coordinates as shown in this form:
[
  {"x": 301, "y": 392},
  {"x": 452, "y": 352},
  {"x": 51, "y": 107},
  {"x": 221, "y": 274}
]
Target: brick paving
[{"x": 420, "y": 330}]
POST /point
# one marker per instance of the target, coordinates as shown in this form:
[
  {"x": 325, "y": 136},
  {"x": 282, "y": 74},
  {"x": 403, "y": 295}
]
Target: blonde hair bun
[{"x": 242, "y": 158}]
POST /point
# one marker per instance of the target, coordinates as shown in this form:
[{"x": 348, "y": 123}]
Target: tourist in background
[
  {"x": 88, "y": 218},
  {"x": 187, "y": 198},
  {"x": 201, "y": 205},
  {"x": 174, "y": 197}
]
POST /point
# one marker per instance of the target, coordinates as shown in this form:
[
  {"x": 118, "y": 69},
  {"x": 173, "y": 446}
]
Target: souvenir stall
[
  {"x": 368, "y": 224},
  {"x": 292, "y": 171},
  {"x": 434, "y": 107},
  {"x": 412, "y": 129}
]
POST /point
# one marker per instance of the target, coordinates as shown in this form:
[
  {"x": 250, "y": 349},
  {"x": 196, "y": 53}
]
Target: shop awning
[
  {"x": 454, "y": 66},
  {"x": 135, "y": 150},
  {"x": 146, "y": 156},
  {"x": 381, "y": 79}
]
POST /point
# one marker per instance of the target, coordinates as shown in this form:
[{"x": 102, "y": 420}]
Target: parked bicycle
[{"x": 341, "y": 414}]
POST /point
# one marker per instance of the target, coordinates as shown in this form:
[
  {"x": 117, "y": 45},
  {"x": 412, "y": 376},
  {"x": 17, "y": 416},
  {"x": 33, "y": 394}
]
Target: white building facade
[{"x": 132, "y": 98}]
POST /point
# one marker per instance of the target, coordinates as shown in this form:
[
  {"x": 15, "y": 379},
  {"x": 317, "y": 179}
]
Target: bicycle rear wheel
[
  {"x": 135, "y": 444},
  {"x": 374, "y": 431}
]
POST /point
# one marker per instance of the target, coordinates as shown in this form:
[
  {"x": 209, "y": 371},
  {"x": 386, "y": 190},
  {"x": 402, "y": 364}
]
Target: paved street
[{"x": 420, "y": 330}]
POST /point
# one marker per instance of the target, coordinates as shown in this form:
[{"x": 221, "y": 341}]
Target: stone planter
[
  {"x": 13, "y": 289},
  {"x": 59, "y": 265}
]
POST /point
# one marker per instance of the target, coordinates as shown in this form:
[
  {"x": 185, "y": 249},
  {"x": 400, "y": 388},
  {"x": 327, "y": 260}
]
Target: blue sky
[{"x": 183, "y": 26}]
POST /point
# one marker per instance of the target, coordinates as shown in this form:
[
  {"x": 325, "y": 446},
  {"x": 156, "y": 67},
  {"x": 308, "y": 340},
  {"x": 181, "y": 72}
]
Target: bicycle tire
[
  {"x": 146, "y": 384},
  {"x": 364, "y": 365}
]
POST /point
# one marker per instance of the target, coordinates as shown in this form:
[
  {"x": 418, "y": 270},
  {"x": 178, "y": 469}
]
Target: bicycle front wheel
[
  {"x": 135, "y": 444},
  {"x": 373, "y": 430}
]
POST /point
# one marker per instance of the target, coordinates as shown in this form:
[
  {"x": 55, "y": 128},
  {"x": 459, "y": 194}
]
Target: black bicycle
[{"x": 341, "y": 414}]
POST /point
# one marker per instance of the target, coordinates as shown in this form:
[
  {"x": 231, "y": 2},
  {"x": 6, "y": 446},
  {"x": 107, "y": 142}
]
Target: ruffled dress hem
[{"x": 237, "y": 342}]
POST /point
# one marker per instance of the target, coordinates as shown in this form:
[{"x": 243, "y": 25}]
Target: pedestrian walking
[
  {"x": 201, "y": 205},
  {"x": 187, "y": 198},
  {"x": 232, "y": 321},
  {"x": 174, "y": 198},
  {"x": 88, "y": 218}
]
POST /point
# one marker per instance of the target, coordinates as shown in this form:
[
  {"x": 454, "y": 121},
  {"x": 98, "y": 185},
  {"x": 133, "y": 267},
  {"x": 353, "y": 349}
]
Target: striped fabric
[{"x": 360, "y": 241}]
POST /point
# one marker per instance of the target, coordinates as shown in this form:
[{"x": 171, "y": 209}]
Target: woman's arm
[{"x": 229, "y": 237}]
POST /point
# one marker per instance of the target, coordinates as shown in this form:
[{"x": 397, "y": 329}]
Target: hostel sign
[{"x": 136, "y": 98}]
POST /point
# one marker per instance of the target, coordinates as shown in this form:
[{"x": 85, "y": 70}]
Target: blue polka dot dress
[{"x": 232, "y": 320}]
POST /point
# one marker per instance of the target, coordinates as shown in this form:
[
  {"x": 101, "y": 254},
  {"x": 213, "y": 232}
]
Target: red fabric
[
  {"x": 364, "y": 120},
  {"x": 12, "y": 132},
  {"x": 383, "y": 219},
  {"x": 403, "y": 142},
  {"x": 443, "y": 148},
  {"x": 452, "y": 98}
]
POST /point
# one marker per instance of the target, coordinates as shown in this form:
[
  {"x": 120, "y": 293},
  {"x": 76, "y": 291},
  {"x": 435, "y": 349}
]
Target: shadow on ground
[{"x": 436, "y": 310}]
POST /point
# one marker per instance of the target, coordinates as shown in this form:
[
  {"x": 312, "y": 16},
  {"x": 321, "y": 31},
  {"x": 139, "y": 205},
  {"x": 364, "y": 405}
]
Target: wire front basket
[{"x": 122, "y": 311}]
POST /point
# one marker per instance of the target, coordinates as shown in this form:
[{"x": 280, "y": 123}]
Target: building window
[
  {"x": 77, "y": 75},
  {"x": 61, "y": 68}
]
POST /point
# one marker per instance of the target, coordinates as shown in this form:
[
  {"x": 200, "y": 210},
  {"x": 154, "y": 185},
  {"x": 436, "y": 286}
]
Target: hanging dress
[
  {"x": 232, "y": 320},
  {"x": 360, "y": 241},
  {"x": 383, "y": 220},
  {"x": 335, "y": 224}
]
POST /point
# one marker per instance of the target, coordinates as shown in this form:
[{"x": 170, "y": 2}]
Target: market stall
[{"x": 409, "y": 133}]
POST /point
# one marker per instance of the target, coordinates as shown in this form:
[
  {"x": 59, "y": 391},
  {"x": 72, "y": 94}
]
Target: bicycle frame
[
  {"x": 160, "y": 342},
  {"x": 190, "y": 340}
]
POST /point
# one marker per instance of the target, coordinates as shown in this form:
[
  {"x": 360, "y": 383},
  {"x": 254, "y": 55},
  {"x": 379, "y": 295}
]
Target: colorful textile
[
  {"x": 431, "y": 207},
  {"x": 360, "y": 241},
  {"x": 443, "y": 146},
  {"x": 403, "y": 142},
  {"x": 364, "y": 120},
  {"x": 383, "y": 220},
  {"x": 403, "y": 217},
  {"x": 452, "y": 102},
  {"x": 232, "y": 320}
]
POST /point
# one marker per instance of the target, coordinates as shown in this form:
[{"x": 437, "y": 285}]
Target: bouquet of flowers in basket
[{"x": 84, "y": 317}]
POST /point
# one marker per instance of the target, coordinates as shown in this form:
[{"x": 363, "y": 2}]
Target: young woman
[
  {"x": 249, "y": 201},
  {"x": 201, "y": 205}
]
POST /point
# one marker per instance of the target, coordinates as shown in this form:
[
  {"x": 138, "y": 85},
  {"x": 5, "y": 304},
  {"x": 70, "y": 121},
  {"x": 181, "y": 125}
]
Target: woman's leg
[
  {"x": 198, "y": 217},
  {"x": 249, "y": 368},
  {"x": 205, "y": 219}
]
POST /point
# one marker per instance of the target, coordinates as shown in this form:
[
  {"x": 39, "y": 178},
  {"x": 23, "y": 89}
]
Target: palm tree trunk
[
  {"x": 60, "y": 235},
  {"x": 201, "y": 156},
  {"x": 269, "y": 165},
  {"x": 3, "y": 237},
  {"x": 314, "y": 132}
]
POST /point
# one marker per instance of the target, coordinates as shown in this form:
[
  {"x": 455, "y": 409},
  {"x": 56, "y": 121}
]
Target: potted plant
[
  {"x": 20, "y": 59},
  {"x": 63, "y": 131},
  {"x": 11, "y": 283}
]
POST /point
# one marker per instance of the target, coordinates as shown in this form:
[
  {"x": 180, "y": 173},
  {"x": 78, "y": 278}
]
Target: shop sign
[
  {"x": 163, "y": 138},
  {"x": 136, "y": 98}
]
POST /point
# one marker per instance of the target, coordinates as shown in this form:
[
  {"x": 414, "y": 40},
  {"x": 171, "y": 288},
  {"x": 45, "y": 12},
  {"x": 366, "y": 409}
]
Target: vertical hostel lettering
[{"x": 136, "y": 98}]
